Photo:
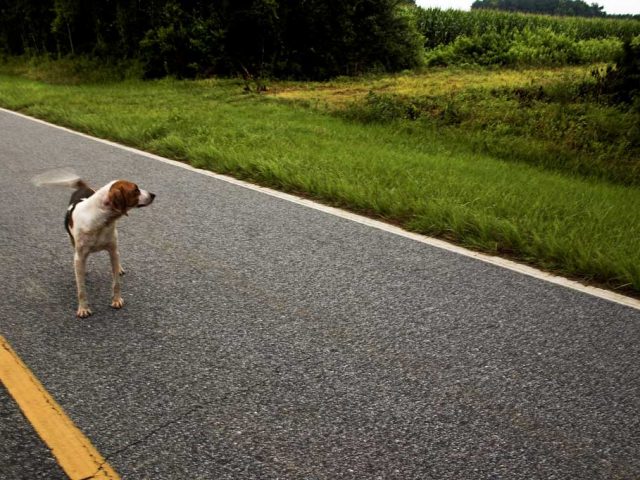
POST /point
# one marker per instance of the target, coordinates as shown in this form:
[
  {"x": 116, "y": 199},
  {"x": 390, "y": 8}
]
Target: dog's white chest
[
  {"x": 97, "y": 240},
  {"x": 91, "y": 229}
]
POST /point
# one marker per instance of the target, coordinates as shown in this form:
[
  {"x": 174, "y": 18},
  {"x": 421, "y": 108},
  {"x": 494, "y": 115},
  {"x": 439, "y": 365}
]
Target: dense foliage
[
  {"x": 186, "y": 38},
  {"x": 488, "y": 37},
  {"x": 442, "y": 27},
  {"x": 304, "y": 39},
  {"x": 577, "y": 8},
  {"x": 621, "y": 83}
]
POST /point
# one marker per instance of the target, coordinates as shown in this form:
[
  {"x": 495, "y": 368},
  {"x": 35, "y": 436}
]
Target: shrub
[
  {"x": 543, "y": 47},
  {"x": 540, "y": 47},
  {"x": 381, "y": 108},
  {"x": 181, "y": 45},
  {"x": 486, "y": 49},
  {"x": 621, "y": 84},
  {"x": 599, "y": 50}
]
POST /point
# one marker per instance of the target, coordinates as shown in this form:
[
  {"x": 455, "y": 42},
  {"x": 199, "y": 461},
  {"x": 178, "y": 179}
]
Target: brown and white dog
[{"x": 91, "y": 224}]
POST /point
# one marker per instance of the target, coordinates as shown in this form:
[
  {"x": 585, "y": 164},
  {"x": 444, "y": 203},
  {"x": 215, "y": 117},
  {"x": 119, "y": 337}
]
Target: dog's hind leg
[
  {"x": 80, "y": 262},
  {"x": 116, "y": 271}
]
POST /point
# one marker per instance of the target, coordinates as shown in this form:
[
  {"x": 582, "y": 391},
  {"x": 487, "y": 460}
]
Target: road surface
[{"x": 263, "y": 339}]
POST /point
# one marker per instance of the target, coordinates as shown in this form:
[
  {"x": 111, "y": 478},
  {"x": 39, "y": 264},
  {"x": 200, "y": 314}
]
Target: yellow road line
[{"x": 74, "y": 452}]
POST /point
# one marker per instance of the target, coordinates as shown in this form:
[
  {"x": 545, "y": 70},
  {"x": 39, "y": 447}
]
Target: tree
[
  {"x": 25, "y": 26},
  {"x": 621, "y": 84},
  {"x": 186, "y": 38}
]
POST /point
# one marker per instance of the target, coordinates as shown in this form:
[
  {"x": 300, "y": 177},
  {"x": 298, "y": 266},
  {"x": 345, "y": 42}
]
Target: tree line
[{"x": 307, "y": 39}]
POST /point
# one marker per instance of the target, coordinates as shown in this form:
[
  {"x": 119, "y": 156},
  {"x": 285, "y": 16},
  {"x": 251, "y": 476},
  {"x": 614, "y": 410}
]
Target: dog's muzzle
[{"x": 146, "y": 198}]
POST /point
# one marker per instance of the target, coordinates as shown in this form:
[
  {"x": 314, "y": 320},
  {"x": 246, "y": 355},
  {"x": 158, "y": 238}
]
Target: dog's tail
[{"x": 62, "y": 177}]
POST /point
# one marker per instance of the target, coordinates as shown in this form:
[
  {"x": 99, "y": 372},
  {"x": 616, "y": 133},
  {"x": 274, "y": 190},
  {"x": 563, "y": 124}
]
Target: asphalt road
[
  {"x": 22, "y": 453},
  {"x": 262, "y": 339}
]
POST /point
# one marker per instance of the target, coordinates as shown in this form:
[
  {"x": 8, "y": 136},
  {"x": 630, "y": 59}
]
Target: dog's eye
[{"x": 137, "y": 190}]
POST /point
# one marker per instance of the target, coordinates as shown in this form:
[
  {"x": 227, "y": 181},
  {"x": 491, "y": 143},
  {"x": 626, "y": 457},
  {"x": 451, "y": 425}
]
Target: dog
[{"x": 91, "y": 224}]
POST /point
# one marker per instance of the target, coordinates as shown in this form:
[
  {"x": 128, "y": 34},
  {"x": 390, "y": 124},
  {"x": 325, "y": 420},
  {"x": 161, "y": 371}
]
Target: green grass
[
  {"x": 582, "y": 227},
  {"x": 541, "y": 116}
]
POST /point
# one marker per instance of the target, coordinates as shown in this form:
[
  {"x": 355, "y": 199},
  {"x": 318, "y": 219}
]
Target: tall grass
[
  {"x": 548, "y": 117},
  {"x": 521, "y": 125},
  {"x": 72, "y": 69},
  {"x": 584, "y": 228}
]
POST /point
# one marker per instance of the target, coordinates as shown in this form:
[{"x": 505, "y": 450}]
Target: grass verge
[
  {"x": 581, "y": 227},
  {"x": 548, "y": 117}
]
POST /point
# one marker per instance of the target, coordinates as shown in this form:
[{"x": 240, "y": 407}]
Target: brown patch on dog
[{"x": 123, "y": 195}]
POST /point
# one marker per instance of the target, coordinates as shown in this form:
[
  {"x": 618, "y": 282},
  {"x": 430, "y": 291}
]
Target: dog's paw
[
  {"x": 117, "y": 303},
  {"x": 83, "y": 312},
  {"x": 121, "y": 271}
]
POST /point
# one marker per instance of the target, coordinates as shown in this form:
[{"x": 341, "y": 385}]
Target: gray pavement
[
  {"x": 23, "y": 456},
  {"x": 262, "y": 339}
]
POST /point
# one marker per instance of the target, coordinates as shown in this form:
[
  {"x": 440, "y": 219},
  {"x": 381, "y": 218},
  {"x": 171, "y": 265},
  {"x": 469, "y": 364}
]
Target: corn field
[
  {"x": 442, "y": 27},
  {"x": 486, "y": 37}
]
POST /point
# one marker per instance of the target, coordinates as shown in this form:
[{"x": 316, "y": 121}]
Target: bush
[
  {"x": 381, "y": 108},
  {"x": 539, "y": 47},
  {"x": 599, "y": 50},
  {"x": 486, "y": 49},
  {"x": 181, "y": 45},
  {"x": 543, "y": 47},
  {"x": 621, "y": 84}
]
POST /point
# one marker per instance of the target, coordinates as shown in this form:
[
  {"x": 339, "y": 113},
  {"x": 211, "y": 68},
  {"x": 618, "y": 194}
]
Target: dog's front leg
[
  {"x": 116, "y": 271},
  {"x": 80, "y": 262}
]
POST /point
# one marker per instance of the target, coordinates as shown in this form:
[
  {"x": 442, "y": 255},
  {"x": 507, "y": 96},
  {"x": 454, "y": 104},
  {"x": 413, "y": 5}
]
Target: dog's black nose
[{"x": 147, "y": 201}]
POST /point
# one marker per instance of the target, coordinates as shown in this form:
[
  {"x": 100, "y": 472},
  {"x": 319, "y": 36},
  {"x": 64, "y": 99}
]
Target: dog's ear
[{"x": 117, "y": 198}]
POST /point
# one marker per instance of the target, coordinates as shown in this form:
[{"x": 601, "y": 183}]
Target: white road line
[{"x": 434, "y": 242}]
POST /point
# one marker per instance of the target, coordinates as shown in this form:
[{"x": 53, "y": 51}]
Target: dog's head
[{"x": 124, "y": 195}]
